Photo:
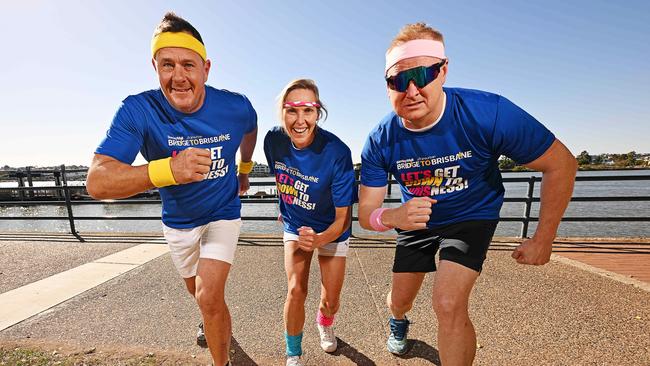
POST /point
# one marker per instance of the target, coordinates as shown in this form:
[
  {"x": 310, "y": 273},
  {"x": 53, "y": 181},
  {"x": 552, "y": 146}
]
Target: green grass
[
  {"x": 30, "y": 357},
  {"x": 24, "y": 357}
]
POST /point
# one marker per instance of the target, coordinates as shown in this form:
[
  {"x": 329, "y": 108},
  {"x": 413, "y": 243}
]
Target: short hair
[
  {"x": 301, "y": 84},
  {"x": 173, "y": 23},
  {"x": 414, "y": 31}
]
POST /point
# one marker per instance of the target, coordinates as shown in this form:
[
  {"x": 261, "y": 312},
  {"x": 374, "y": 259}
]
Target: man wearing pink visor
[{"x": 442, "y": 146}]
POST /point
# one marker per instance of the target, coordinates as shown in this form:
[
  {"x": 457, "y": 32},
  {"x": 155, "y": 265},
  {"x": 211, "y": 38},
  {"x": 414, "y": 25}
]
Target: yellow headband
[{"x": 179, "y": 39}]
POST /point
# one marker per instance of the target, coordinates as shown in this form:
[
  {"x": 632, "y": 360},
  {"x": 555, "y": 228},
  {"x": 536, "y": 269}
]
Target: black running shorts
[{"x": 465, "y": 243}]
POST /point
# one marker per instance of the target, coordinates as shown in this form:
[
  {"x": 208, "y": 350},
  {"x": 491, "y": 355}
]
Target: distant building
[
  {"x": 644, "y": 159},
  {"x": 607, "y": 159},
  {"x": 260, "y": 170}
]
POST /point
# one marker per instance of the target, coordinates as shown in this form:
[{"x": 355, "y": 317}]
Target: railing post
[
  {"x": 68, "y": 204},
  {"x": 57, "y": 182},
  {"x": 529, "y": 203},
  {"x": 30, "y": 181},
  {"x": 390, "y": 186},
  {"x": 21, "y": 193}
]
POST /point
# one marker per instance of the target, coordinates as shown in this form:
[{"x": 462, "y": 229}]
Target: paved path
[
  {"x": 556, "y": 314},
  {"x": 630, "y": 257},
  {"x": 29, "y": 300}
]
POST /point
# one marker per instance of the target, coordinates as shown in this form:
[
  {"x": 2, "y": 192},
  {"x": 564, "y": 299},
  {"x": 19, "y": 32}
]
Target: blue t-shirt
[
  {"x": 456, "y": 161},
  {"x": 311, "y": 182},
  {"x": 149, "y": 124}
]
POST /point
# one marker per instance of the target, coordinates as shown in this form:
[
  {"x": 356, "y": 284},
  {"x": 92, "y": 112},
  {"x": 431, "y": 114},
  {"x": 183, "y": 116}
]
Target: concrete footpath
[{"x": 572, "y": 311}]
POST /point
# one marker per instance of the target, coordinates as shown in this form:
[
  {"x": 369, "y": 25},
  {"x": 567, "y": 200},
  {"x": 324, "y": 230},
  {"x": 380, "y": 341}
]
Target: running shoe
[
  {"x": 293, "y": 361},
  {"x": 327, "y": 338},
  {"x": 397, "y": 342},
  {"x": 200, "y": 337}
]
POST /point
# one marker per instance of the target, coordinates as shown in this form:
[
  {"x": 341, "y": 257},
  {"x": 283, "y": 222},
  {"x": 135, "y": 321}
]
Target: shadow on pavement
[
  {"x": 344, "y": 349},
  {"x": 422, "y": 350},
  {"x": 238, "y": 356}
]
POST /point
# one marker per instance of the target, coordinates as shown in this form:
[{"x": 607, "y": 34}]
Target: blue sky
[{"x": 580, "y": 67}]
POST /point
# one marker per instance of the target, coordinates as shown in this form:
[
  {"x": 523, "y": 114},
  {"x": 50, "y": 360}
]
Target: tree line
[{"x": 587, "y": 161}]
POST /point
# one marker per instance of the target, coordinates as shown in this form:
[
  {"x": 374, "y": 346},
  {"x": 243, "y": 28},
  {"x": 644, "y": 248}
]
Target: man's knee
[
  {"x": 210, "y": 301},
  {"x": 449, "y": 307}
]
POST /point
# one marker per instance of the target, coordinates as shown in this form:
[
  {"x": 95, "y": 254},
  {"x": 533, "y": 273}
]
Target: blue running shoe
[{"x": 397, "y": 342}]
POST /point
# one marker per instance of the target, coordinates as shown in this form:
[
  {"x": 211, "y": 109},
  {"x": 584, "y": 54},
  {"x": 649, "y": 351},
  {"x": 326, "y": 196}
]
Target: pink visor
[
  {"x": 414, "y": 48},
  {"x": 301, "y": 104}
]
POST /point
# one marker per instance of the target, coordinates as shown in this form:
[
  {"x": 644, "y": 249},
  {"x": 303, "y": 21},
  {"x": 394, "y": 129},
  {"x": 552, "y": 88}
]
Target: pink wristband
[{"x": 375, "y": 220}]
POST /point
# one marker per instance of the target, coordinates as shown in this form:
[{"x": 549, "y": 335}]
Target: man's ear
[
  {"x": 206, "y": 67},
  {"x": 444, "y": 71}
]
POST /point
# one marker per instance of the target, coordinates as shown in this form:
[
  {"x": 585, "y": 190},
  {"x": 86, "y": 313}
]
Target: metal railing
[{"x": 62, "y": 196}]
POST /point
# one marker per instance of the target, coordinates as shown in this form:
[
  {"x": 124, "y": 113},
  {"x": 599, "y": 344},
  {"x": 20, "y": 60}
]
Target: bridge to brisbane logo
[
  {"x": 425, "y": 176},
  {"x": 219, "y": 168}
]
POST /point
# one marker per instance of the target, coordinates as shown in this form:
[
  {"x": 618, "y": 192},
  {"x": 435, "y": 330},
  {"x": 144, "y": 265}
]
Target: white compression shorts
[
  {"x": 334, "y": 249},
  {"x": 214, "y": 240}
]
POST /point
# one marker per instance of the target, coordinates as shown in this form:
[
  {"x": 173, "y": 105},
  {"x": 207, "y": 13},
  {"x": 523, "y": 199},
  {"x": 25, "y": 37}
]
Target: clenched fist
[
  {"x": 191, "y": 165},
  {"x": 412, "y": 215},
  {"x": 533, "y": 251},
  {"x": 307, "y": 239}
]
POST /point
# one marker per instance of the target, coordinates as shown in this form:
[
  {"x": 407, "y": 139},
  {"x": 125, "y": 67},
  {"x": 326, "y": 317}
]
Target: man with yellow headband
[
  {"x": 442, "y": 146},
  {"x": 189, "y": 133}
]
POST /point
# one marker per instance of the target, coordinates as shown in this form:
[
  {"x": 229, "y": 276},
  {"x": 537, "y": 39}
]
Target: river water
[{"x": 576, "y": 209}]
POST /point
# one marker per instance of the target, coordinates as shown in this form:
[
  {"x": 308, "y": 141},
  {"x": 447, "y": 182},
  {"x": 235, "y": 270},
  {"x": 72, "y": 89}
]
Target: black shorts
[{"x": 465, "y": 243}]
